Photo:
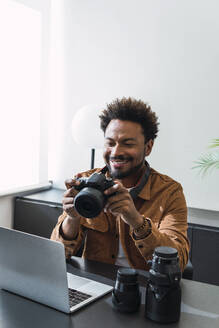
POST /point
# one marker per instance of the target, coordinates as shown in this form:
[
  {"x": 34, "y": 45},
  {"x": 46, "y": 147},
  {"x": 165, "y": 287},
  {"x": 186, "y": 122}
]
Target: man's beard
[{"x": 117, "y": 174}]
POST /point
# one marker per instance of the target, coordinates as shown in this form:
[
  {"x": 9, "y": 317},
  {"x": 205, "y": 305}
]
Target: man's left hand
[{"x": 120, "y": 203}]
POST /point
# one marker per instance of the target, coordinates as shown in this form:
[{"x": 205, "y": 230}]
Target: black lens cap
[
  {"x": 127, "y": 275},
  {"x": 166, "y": 252}
]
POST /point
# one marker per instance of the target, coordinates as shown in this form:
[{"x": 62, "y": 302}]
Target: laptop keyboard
[{"x": 76, "y": 297}]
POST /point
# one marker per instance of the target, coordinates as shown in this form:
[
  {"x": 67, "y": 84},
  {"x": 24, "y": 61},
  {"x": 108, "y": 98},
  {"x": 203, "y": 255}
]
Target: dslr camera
[{"x": 90, "y": 200}]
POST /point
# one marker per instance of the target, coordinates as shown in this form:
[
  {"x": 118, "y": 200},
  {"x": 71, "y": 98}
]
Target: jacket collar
[{"x": 145, "y": 191}]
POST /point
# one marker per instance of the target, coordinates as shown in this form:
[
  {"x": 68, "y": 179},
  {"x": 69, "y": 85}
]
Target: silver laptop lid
[{"x": 26, "y": 271}]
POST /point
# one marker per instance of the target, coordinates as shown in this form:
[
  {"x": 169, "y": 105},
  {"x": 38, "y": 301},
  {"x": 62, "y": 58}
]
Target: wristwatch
[{"x": 144, "y": 230}]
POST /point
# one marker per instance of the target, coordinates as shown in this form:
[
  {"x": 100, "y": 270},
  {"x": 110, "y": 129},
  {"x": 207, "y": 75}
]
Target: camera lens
[
  {"x": 126, "y": 296},
  {"x": 163, "y": 292},
  {"x": 89, "y": 202},
  {"x": 87, "y": 206}
]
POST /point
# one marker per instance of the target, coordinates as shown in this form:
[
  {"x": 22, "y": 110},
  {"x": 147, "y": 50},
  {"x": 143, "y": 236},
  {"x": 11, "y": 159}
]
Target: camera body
[
  {"x": 163, "y": 292},
  {"x": 90, "y": 200}
]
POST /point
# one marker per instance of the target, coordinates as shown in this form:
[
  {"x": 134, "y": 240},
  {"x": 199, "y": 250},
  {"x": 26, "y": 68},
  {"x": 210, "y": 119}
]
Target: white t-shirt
[{"x": 121, "y": 258}]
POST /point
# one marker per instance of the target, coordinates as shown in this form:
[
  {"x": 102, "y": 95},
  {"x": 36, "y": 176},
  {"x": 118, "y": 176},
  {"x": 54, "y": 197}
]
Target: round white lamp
[{"x": 86, "y": 129}]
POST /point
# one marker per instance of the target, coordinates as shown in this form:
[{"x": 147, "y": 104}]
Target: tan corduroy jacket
[{"x": 161, "y": 200}]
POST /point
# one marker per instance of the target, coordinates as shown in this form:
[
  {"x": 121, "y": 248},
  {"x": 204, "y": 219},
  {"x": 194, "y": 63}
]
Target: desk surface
[{"x": 200, "y": 306}]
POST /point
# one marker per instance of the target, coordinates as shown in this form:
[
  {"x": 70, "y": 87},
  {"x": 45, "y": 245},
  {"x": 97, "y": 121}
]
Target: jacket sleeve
[
  {"x": 171, "y": 230},
  {"x": 71, "y": 246}
]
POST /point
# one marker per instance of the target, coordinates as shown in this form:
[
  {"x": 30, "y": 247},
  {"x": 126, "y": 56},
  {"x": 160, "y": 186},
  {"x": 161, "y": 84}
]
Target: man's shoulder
[
  {"x": 160, "y": 180},
  {"x": 165, "y": 188}
]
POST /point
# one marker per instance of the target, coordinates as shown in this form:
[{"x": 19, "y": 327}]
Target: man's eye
[
  {"x": 129, "y": 144},
  {"x": 109, "y": 144}
]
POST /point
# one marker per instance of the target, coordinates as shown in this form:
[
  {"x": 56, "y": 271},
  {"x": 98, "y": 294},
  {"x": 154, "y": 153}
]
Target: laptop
[{"x": 35, "y": 267}]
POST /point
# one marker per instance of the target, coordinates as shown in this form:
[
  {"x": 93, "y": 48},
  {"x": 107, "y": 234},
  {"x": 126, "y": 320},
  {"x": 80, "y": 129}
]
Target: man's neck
[{"x": 133, "y": 179}]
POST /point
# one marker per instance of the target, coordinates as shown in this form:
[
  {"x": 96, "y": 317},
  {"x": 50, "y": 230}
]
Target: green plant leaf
[
  {"x": 207, "y": 162},
  {"x": 215, "y": 143}
]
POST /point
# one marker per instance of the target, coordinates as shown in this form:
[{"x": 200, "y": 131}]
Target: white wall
[{"x": 163, "y": 52}]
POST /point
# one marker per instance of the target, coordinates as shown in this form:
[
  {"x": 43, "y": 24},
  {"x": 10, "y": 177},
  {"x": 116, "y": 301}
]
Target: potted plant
[{"x": 210, "y": 160}]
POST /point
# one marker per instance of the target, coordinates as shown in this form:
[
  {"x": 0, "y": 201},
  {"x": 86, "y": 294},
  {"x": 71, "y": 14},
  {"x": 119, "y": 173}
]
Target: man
[{"x": 144, "y": 208}]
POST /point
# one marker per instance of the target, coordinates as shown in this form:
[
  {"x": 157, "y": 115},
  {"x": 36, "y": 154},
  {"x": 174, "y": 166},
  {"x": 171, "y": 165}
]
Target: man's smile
[{"x": 119, "y": 162}]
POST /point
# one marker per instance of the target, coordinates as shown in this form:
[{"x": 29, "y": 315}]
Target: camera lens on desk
[
  {"x": 163, "y": 292},
  {"x": 126, "y": 296}
]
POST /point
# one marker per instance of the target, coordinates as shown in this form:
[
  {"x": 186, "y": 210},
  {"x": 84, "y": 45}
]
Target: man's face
[{"x": 124, "y": 148}]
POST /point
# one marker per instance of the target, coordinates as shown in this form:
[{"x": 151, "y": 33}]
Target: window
[{"x": 21, "y": 102}]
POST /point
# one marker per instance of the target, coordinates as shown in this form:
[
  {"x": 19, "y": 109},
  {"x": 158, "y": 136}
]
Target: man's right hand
[
  {"x": 68, "y": 198},
  {"x": 70, "y": 225}
]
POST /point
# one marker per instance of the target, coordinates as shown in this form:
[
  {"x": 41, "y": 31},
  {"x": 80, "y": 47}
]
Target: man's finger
[
  {"x": 112, "y": 189},
  {"x": 67, "y": 200},
  {"x": 70, "y": 193},
  {"x": 69, "y": 183}
]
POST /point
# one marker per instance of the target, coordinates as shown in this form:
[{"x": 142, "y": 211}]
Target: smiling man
[{"x": 144, "y": 208}]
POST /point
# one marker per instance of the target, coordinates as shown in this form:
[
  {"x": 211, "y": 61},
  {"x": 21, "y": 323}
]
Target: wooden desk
[{"x": 200, "y": 306}]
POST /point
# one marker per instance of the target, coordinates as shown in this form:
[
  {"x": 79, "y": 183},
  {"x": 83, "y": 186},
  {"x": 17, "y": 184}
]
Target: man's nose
[{"x": 116, "y": 150}]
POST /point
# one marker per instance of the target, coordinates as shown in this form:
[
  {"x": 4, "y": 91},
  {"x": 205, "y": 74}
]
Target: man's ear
[{"x": 148, "y": 147}]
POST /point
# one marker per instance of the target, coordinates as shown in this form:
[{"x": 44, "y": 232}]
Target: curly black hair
[{"x": 129, "y": 109}]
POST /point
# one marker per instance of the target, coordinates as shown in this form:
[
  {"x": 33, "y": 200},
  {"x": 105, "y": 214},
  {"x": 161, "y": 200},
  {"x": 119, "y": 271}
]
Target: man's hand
[
  {"x": 71, "y": 223},
  {"x": 68, "y": 198},
  {"x": 120, "y": 203}
]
